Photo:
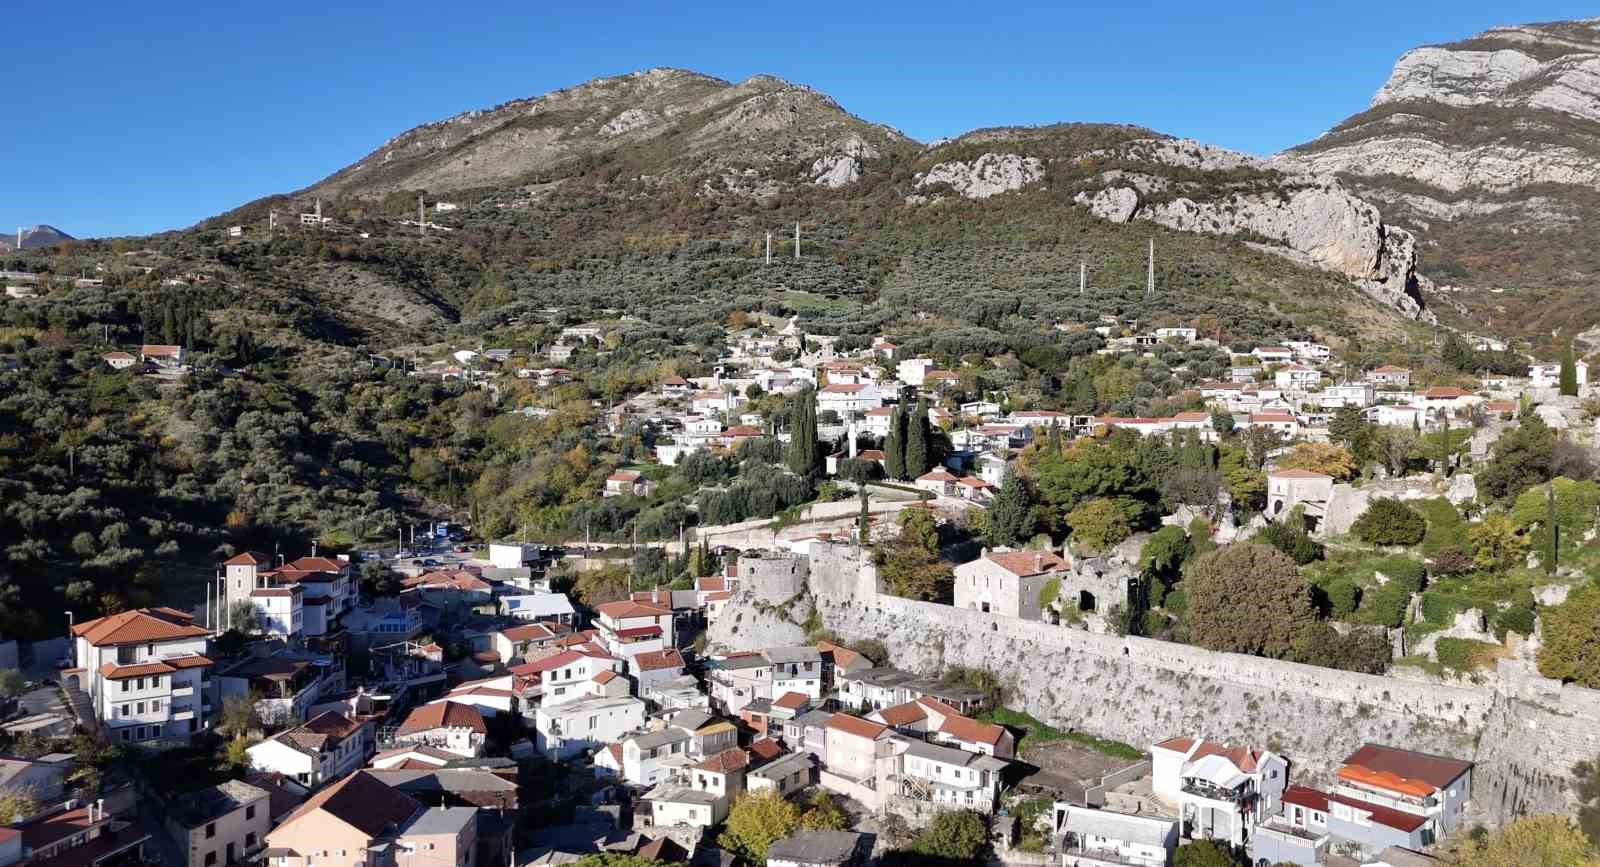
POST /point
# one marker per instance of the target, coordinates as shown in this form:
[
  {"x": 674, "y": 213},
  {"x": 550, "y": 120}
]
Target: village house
[
  {"x": 1273, "y": 354},
  {"x": 806, "y": 848},
  {"x": 357, "y": 816},
  {"x": 568, "y": 729},
  {"x": 1090, "y": 837},
  {"x": 858, "y": 758},
  {"x": 848, "y": 400},
  {"x": 514, "y": 643},
  {"x": 937, "y": 722},
  {"x": 552, "y": 607},
  {"x": 1549, "y": 375},
  {"x": 937, "y": 481},
  {"x": 1356, "y": 394},
  {"x": 165, "y": 356},
  {"x": 324, "y": 748},
  {"x": 450, "y": 726},
  {"x": 944, "y": 776},
  {"x": 1390, "y": 375},
  {"x": 1392, "y": 415},
  {"x": 144, "y": 672},
  {"x": 1284, "y": 423},
  {"x": 699, "y": 795},
  {"x": 222, "y": 824},
  {"x": 565, "y": 674},
  {"x": 1221, "y": 792},
  {"x": 1433, "y": 787},
  {"x": 119, "y": 360},
  {"x": 627, "y": 483},
  {"x": 1297, "y": 378},
  {"x": 1008, "y": 582},
  {"x": 70, "y": 836},
  {"x": 627, "y": 628}
]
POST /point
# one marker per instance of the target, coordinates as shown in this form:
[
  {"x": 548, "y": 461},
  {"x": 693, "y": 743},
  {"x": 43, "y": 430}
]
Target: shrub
[
  {"x": 1405, "y": 571},
  {"x": 1450, "y": 560},
  {"x": 1343, "y": 598},
  {"x": 1438, "y": 609},
  {"x": 1291, "y": 540},
  {"x": 1518, "y": 618},
  {"x": 1385, "y": 605},
  {"x": 1464, "y": 654},
  {"x": 1388, "y": 521}
]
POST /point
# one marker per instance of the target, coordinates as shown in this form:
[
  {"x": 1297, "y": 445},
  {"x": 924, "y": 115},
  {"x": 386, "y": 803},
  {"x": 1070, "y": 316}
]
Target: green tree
[
  {"x": 918, "y": 447},
  {"x": 617, "y": 859},
  {"x": 1099, "y": 524},
  {"x": 1571, "y": 632},
  {"x": 1496, "y": 543},
  {"x": 1222, "y": 422},
  {"x": 1011, "y": 517},
  {"x": 756, "y": 821},
  {"x": 822, "y": 813},
  {"x": 910, "y": 566},
  {"x": 1587, "y": 775},
  {"x": 1388, "y": 521},
  {"x": 1246, "y": 598},
  {"x": 894, "y": 446},
  {"x": 1532, "y": 841},
  {"x": 953, "y": 834},
  {"x": 1325, "y": 458},
  {"x": 1207, "y": 853},
  {"x": 1396, "y": 447},
  {"x": 1569, "y": 372},
  {"x": 1349, "y": 429},
  {"x": 1522, "y": 457},
  {"x": 1555, "y": 517},
  {"x": 16, "y": 806}
]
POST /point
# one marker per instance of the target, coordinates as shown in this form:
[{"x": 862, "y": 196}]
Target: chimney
[{"x": 1038, "y": 561}]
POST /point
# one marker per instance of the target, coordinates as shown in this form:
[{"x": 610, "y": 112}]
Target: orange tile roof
[
  {"x": 841, "y": 655},
  {"x": 195, "y": 661},
  {"x": 139, "y": 626},
  {"x": 857, "y": 726},
  {"x": 730, "y": 759},
  {"x": 248, "y": 558},
  {"x": 1025, "y": 563},
  {"x": 791, "y": 701},
  {"x": 970, "y": 730},
  {"x": 317, "y": 564},
  {"x": 1177, "y": 744},
  {"x": 656, "y": 660},
  {"x": 1298, "y": 474},
  {"x": 903, "y": 714},
  {"x": 112, "y": 671},
  {"x": 628, "y": 608},
  {"x": 447, "y": 714},
  {"x": 604, "y": 677},
  {"x": 765, "y": 750}
]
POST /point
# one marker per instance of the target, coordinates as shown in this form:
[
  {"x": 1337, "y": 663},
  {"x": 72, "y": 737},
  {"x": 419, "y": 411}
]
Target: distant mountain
[
  {"x": 1489, "y": 150},
  {"x": 38, "y": 236}
]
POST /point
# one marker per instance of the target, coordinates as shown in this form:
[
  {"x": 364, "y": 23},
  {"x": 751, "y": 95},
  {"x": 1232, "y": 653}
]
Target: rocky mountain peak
[{"x": 1554, "y": 67}]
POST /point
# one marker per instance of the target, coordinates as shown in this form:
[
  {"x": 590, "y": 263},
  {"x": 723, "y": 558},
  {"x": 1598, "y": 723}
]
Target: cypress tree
[
  {"x": 917, "y": 442},
  {"x": 803, "y": 434},
  {"x": 1011, "y": 516},
  {"x": 894, "y": 454},
  {"x": 861, "y": 524},
  {"x": 1569, "y": 372}
]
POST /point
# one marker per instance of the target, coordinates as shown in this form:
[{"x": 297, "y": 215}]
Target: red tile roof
[
  {"x": 1311, "y": 799},
  {"x": 447, "y": 714},
  {"x": 248, "y": 558},
  {"x": 112, "y": 671},
  {"x": 1177, "y": 744},
  {"x": 604, "y": 677},
  {"x": 657, "y": 660},
  {"x": 625, "y": 609},
  {"x": 1437, "y": 771},
  {"x": 970, "y": 730},
  {"x": 1025, "y": 563},
  {"x": 765, "y": 750},
  {"x": 139, "y": 626},
  {"x": 791, "y": 701},
  {"x": 640, "y": 632},
  {"x": 855, "y": 725},
  {"x": 730, "y": 759},
  {"x": 317, "y": 564},
  {"x": 1396, "y": 819},
  {"x": 361, "y": 801},
  {"x": 903, "y": 714}
]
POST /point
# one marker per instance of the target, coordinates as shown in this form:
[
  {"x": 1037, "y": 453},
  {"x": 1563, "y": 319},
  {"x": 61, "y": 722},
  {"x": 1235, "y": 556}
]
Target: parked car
[{"x": 430, "y": 562}]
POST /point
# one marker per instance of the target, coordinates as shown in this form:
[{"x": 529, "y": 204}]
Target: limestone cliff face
[
  {"x": 988, "y": 175},
  {"x": 1307, "y": 217},
  {"x": 1489, "y": 148}
]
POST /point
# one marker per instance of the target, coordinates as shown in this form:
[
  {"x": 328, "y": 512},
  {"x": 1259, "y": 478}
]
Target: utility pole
[
  {"x": 1083, "y": 278},
  {"x": 422, "y": 218},
  {"x": 769, "y": 248},
  {"x": 796, "y": 242},
  {"x": 272, "y": 223}
]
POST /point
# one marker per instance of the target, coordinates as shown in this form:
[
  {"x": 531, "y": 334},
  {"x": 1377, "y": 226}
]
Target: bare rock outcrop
[
  {"x": 1311, "y": 219},
  {"x": 989, "y": 175},
  {"x": 842, "y": 167}
]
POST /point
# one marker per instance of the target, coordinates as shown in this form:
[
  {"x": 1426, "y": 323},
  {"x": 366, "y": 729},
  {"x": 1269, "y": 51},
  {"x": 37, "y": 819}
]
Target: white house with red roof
[
  {"x": 1221, "y": 791},
  {"x": 937, "y": 481},
  {"x": 1284, "y": 423},
  {"x": 144, "y": 673},
  {"x": 1390, "y": 375},
  {"x": 675, "y": 386},
  {"x": 514, "y": 642},
  {"x": 1297, "y": 378},
  {"x": 491, "y": 696},
  {"x": 280, "y": 611},
  {"x": 1435, "y": 788},
  {"x": 627, "y": 628},
  {"x": 878, "y": 421},
  {"x": 656, "y": 666},
  {"x": 561, "y": 675},
  {"x": 450, "y": 726},
  {"x": 849, "y": 399},
  {"x": 627, "y": 483},
  {"x": 162, "y": 354},
  {"x": 1008, "y": 582},
  {"x": 1273, "y": 354},
  {"x": 119, "y": 360},
  {"x": 699, "y": 795},
  {"x": 938, "y": 722},
  {"x": 1441, "y": 401},
  {"x": 325, "y": 585}
]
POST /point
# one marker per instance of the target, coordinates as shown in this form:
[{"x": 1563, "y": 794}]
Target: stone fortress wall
[{"x": 1525, "y": 732}]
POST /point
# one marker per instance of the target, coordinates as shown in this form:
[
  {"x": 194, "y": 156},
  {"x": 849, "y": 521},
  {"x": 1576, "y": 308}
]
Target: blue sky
[{"x": 128, "y": 118}]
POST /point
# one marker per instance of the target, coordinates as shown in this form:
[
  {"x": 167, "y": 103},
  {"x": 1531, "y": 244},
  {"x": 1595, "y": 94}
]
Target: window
[
  {"x": 250, "y": 839},
  {"x": 211, "y": 859},
  {"x": 250, "y": 811},
  {"x": 139, "y": 708},
  {"x": 211, "y": 830},
  {"x": 127, "y": 685}
]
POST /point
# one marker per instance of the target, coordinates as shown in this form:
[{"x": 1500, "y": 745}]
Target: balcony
[
  {"x": 1203, "y": 789},
  {"x": 183, "y": 691},
  {"x": 1078, "y": 856}
]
